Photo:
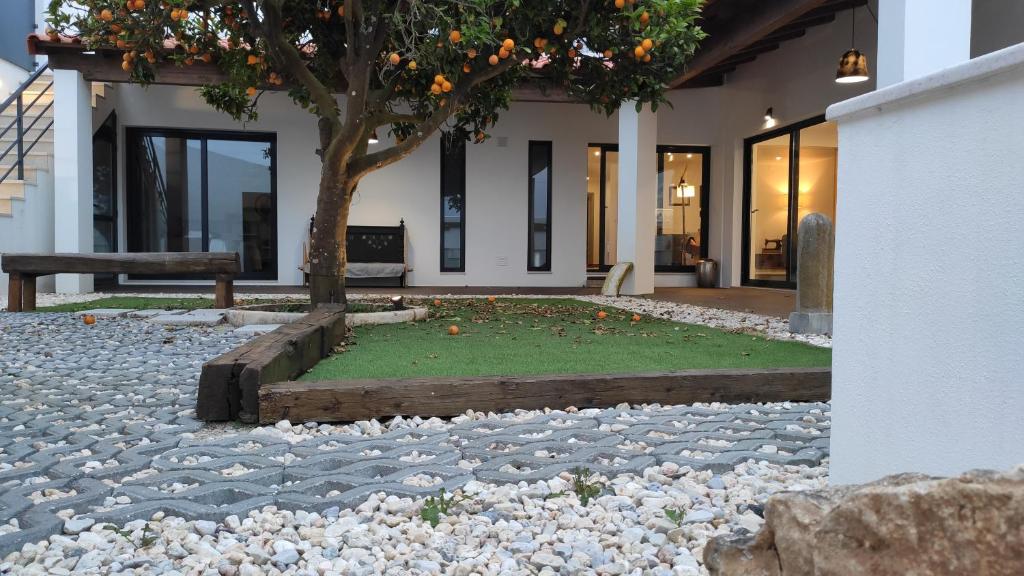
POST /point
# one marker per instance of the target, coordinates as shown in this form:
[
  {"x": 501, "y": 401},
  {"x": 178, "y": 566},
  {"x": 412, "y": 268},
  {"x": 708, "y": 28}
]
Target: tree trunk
[{"x": 328, "y": 258}]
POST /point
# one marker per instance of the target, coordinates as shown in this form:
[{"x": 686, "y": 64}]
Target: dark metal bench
[{"x": 23, "y": 269}]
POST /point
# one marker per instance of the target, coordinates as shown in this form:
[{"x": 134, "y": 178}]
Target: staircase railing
[{"x": 23, "y": 112}]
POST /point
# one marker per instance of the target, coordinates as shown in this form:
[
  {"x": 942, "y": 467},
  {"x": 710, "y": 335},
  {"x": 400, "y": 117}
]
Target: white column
[
  {"x": 72, "y": 173},
  {"x": 638, "y": 183},
  {"x": 918, "y": 37}
]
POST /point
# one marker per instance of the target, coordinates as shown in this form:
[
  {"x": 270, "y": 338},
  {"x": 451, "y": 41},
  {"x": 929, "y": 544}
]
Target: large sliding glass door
[
  {"x": 790, "y": 172},
  {"x": 681, "y": 199},
  {"x": 203, "y": 191},
  {"x": 104, "y": 195}
]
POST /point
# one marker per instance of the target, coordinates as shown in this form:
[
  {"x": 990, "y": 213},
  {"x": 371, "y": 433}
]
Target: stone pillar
[
  {"x": 638, "y": 167},
  {"x": 918, "y": 37},
  {"x": 72, "y": 173},
  {"x": 815, "y": 249}
]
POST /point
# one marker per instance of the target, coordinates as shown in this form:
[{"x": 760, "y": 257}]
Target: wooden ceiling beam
[{"x": 754, "y": 27}]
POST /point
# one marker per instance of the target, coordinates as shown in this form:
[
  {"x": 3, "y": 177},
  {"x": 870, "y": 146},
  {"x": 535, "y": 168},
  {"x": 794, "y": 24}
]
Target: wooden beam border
[
  {"x": 351, "y": 400},
  {"x": 229, "y": 384}
]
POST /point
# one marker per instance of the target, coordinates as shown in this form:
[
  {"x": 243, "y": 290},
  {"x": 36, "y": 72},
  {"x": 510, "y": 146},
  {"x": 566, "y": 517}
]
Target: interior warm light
[
  {"x": 597, "y": 152},
  {"x": 373, "y": 137}
]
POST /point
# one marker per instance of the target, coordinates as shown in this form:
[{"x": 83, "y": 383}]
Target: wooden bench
[{"x": 23, "y": 269}]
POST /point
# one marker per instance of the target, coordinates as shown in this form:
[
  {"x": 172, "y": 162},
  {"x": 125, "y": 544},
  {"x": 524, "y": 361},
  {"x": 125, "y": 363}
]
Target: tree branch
[
  {"x": 291, "y": 61},
  {"x": 370, "y": 162}
]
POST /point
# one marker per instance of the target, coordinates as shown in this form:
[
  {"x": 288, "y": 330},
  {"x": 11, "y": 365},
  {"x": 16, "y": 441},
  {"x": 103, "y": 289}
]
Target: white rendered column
[
  {"x": 918, "y": 37},
  {"x": 72, "y": 173},
  {"x": 638, "y": 183}
]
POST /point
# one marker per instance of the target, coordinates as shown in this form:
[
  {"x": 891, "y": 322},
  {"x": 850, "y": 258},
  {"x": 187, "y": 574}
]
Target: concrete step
[
  {"x": 34, "y": 159},
  {"x": 42, "y": 148},
  {"x": 6, "y": 208},
  {"x": 30, "y": 135},
  {"x": 30, "y": 174},
  {"x": 13, "y": 189}
]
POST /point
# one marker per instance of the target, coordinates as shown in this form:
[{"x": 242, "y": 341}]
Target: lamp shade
[{"x": 853, "y": 67}]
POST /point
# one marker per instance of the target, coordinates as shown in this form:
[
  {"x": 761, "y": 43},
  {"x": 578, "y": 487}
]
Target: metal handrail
[{"x": 17, "y": 98}]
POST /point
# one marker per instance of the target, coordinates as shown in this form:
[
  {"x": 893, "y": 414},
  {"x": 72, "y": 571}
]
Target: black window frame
[
  {"x": 793, "y": 131},
  {"x": 131, "y": 137},
  {"x": 705, "y": 198},
  {"x": 446, "y": 141},
  {"x": 546, "y": 267}
]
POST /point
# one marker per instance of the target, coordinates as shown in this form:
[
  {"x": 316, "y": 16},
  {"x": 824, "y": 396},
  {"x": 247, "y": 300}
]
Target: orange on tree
[
  {"x": 647, "y": 44},
  {"x": 227, "y": 35}
]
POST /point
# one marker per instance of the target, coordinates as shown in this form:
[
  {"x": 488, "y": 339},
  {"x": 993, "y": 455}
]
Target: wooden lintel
[
  {"x": 755, "y": 27},
  {"x": 106, "y": 67}
]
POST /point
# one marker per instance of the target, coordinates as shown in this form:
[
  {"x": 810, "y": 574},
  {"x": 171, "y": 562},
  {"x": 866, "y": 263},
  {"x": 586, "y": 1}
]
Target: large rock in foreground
[{"x": 903, "y": 524}]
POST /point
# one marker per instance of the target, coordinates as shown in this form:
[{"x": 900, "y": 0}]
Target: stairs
[{"x": 38, "y": 161}]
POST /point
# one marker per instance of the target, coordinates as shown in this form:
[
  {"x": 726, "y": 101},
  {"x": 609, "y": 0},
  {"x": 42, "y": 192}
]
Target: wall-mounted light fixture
[
  {"x": 769, "y": 118},
  {"x": 373, "y": 137},
  {"x": 853, "y": 66}
]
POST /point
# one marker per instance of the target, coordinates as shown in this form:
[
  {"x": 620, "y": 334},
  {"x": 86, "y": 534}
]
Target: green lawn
[
  {"x": 520, "y": 337},
  {"x": 133, "y": 302}
]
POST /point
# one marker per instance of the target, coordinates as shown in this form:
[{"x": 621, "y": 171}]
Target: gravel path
[{"x": 97, "y": 427}]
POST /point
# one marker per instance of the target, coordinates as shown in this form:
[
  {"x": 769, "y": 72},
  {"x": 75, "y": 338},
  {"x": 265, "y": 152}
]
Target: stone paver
[
  {"x": 99, "y": 420},
  {"x": 105, "y": 312},
  {"x": 201, "y": 317}
]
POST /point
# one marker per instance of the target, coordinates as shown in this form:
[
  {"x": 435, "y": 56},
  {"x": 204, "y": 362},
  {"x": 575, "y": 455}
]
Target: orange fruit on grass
[
  {"x": 636, "y": 317},
  {"x": 437, "y": 301},
  {"x": 601, "y": 314},
  {"x": 491, "y": 299},
  {"x": 89, "y": 319},
  {"x": 453, "y": 330}
]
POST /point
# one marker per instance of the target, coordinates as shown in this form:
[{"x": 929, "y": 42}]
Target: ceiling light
[{"x": 853, "y": 66}]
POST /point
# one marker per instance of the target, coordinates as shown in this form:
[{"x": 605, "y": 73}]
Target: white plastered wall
[{"x": 929, "y": 268}]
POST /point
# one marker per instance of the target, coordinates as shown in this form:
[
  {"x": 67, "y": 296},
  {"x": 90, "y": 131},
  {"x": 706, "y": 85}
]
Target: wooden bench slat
[{"x": 149, "y": 263}]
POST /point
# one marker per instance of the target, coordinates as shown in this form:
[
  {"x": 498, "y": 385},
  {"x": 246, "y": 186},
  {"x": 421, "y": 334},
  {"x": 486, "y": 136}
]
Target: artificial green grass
[
  {"x": 522, "y": 337},
  {"x": 133, "y": 302}
]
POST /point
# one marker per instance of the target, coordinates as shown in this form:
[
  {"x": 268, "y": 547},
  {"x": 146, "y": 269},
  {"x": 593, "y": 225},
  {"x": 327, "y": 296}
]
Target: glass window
[
  {"x": 196, "y": 192},
  {"x": 680, "y": 238},
  {"x": 453, "y": 204},
  {"x": 539, "y": 239}
]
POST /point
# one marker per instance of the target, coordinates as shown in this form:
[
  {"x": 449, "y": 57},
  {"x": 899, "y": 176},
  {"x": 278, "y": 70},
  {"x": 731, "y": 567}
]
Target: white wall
[
  {"x": 797, "y": 80},
  {"x": 929, "y": 286},
  {"x": 30, "y": 226}
]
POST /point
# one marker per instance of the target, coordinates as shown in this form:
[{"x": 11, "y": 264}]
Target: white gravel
[{"x": 656, "y": 523}]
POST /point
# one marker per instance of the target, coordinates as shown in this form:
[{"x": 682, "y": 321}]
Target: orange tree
[{"x": 410, "y": 67}]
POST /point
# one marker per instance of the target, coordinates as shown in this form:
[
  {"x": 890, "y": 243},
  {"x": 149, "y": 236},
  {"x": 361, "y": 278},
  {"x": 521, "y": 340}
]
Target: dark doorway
[{"x": 104, "y": 195}]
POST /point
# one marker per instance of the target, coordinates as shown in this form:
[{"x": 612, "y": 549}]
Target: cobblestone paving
[{"x": 99, "y": 420}]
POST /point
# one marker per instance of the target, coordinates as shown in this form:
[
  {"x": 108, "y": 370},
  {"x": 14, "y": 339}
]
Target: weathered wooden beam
[
  {"x": 351, "y": 400},
  {"x": 229, "y": 384},
  {"x": 28, "y": 293},
  {"x": 152, "y": 263},
  {"x": 106, "y": 67},
  {"x": 14, "y": 284},
  {"x": 754, "y": 27}
]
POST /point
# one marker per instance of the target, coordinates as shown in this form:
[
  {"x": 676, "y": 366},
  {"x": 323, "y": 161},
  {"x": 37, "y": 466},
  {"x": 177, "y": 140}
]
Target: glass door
[
  {"x": 790, "y": 172},
  {"x": 681, "y": 201},
  {"x": 602, "y": 205}
]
